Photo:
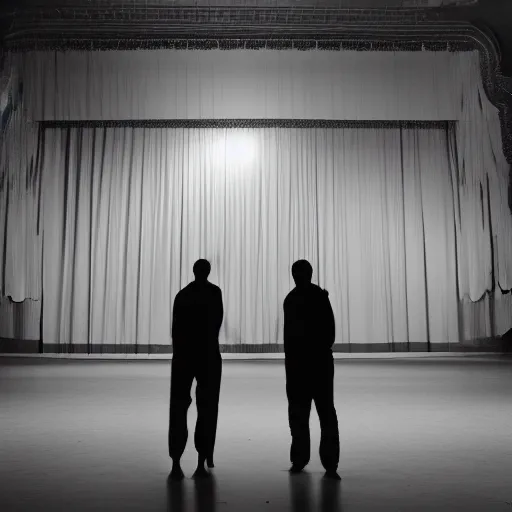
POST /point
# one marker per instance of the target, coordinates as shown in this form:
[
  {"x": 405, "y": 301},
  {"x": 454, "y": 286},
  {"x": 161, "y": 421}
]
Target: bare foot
[
  {"x": 296, "y": 469},
  {"x": 332, "y": 474}
]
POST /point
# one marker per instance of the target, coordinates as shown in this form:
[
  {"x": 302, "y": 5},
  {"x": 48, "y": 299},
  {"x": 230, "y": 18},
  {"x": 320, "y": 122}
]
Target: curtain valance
[{"x": 247, "y": 84}]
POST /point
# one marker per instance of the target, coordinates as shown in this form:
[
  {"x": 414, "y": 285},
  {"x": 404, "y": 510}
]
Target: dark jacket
[
  {"x": 309, "y": 327},
  {"x": 196, "y": 319}
]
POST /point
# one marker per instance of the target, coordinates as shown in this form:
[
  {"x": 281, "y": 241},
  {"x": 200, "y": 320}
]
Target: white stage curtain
[
  {"x": 483, "y": 183},
  {"x": 215, "y": 84},
  {"x": 20, "y": 236},
  {"x": 350, "y": 90},
  {"x": 20, "y": 320},
  {"x": 242, "y": 84},
  {"x": 283, "y": 84},
  {"x": 486, "y": 318},
  {"x": 127, "y": 211}
]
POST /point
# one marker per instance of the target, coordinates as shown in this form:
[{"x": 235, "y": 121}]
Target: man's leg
[
  {"x": 207, "y": 400},
  {"x": 324, "y": 402},
  {"x": 213, "y": 399},
  {"x": 299, "y": 408},
  {"x": 182, "y": 375}
]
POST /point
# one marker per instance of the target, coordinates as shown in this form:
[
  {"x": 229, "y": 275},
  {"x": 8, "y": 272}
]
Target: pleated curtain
[
  {"x": 127, "y": 211},
  {"x": 40, "y": 86}
]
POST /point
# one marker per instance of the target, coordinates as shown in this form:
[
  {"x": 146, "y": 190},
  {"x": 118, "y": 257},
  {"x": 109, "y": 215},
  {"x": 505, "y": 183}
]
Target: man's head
[
  {"x": 201, "y": 270},
  {"x": 302, "y": 272}
]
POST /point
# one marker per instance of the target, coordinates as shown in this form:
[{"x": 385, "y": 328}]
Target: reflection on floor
[{"x": 428, "y": 434}]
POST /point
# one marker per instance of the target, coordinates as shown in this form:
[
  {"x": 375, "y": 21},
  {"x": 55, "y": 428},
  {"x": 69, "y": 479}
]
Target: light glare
[{"x": 240, "y": 147}]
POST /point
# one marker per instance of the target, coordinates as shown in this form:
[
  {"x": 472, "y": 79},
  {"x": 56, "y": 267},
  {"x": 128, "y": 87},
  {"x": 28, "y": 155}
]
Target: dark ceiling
[
  {"x": 493, "y": 15},
  {"x": 360, "y": 4}
]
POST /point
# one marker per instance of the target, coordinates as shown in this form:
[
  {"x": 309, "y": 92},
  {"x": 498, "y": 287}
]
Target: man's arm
[
  {"x": 285, "y": 319},
  {"x": 176, "y": 318},
  {"x": 219, "y": 313},
  {"x": 330, "y": 325}
]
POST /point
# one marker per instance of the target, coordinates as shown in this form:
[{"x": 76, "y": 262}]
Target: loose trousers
[
  {"x": 207, "y": 372},
  {"x": 310, "y": 380}
]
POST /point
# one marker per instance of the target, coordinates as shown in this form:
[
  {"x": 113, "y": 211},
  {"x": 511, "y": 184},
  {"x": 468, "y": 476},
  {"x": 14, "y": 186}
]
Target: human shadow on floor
[
  {"x": 302, "y": 497},
  {"x": 205, "y": 492},
  {"x": 176, "y": 495},
  {"x": 301, "y": 489},
  {"x": 205, "y": 495},
  {"x": 330, "y": 496}
]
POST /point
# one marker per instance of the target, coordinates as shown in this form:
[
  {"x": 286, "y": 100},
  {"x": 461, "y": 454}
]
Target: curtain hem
[{"x": 11, "y": 346}]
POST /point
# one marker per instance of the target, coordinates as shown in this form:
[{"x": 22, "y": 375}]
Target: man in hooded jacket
[{"x": 309, "y": 333}]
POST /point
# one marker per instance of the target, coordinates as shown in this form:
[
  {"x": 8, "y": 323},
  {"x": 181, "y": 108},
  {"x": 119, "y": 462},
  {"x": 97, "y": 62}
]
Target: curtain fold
[
  {"x": 482, "y": 178},
  {"x": 127, "y": 211},
  {"x": 20, "y": 208},
  {"x": 20, "y": 320}
]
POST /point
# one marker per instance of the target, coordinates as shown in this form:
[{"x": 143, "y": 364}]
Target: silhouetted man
[
  {"x": 196, "y": 320},
  {"x": 309, "y": 333}
]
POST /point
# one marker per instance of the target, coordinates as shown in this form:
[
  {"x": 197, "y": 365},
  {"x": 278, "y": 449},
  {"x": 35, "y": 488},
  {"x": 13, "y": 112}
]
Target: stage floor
[{"x": 416, "y": 434}]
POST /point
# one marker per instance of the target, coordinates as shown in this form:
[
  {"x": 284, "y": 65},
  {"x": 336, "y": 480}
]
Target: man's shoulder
[
  {"x": 186, "y": 289},
  {"x": 312, "y": 289},
  {"x": 291, "y": 295},
  {"x": 185, "y": 292},
  {"x": 312, "y": 294},
  {"x": 214, "y": 288},
  {"x": 320, "y": 291}
]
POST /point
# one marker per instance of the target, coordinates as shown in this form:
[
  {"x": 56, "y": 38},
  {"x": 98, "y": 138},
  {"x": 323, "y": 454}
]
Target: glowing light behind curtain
[{"x": 127, "y": 212}]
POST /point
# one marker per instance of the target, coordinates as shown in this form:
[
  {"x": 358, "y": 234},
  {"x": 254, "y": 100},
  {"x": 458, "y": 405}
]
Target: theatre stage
[{"x": 416, "y": 434}]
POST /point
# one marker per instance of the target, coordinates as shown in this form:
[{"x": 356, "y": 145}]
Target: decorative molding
[
  {"x": 250, "y": 123},
  {"x": 320, "y": 42},
  {"x": 14, "y": 5},
  {"x": 142, "y": 18},
  {"x": 227, "y": 28}
]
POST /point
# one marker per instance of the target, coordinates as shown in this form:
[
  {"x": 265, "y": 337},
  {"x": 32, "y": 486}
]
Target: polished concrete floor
[{"x": 416, "y": 435}]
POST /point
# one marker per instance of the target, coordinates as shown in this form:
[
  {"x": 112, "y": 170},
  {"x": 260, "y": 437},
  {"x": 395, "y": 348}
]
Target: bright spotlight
[{"x": 240, "y": 147}]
